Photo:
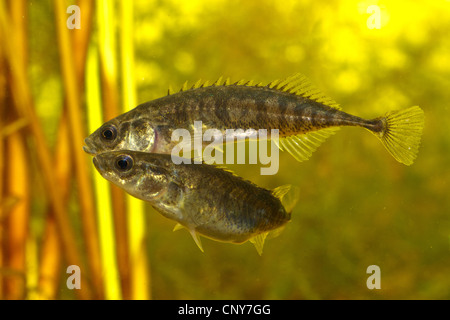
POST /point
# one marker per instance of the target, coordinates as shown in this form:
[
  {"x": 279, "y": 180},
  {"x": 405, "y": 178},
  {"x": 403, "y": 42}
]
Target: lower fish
[{"x": 204, "y": 199}]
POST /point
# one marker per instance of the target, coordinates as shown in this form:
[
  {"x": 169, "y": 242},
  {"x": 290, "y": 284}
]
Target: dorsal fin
[
  {"x": 272, "y": 84},
  {"x": 217, "y": 82},
  {"x": 184, "y": 87},
  {"x": 240, "y": 82},
  {"x": 299, "y": 85},
  {"x": 198, "y": 84},
  {"x": 280, "y": 191},
  {"x": 296, "y": 84}
]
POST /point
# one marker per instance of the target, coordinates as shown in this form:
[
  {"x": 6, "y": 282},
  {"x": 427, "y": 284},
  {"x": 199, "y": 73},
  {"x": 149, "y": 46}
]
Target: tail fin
[{"x": 402, "y": 132}]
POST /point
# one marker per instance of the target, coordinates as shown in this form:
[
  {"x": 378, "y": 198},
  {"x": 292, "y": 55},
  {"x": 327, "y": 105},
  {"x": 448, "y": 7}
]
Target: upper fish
[{"x": 304, "y": 116}]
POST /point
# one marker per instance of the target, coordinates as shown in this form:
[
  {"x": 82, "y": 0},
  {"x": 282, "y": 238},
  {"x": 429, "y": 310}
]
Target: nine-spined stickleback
[
  {"x": 303, "y": 115},
  {"x": 202, "y": 198}
]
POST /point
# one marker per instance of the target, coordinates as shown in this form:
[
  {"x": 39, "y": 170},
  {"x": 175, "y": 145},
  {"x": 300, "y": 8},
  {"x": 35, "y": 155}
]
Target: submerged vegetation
[{"x": 358, "y": 206}]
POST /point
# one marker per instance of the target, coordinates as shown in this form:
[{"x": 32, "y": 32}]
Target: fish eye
[
  {"x": 109, "y": 133},
  {"x": 124, "y": 163}
]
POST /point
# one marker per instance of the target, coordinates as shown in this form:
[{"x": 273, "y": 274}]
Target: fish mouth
[{"x": 87, "y": 148}]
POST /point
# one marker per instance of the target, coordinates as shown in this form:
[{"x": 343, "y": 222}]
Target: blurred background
[{"x": 358, "y": 206}]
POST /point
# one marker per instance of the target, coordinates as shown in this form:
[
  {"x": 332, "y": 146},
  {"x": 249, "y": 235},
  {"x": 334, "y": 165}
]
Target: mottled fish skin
[
  {"x": 221, "y": 107},
  {"x": 247, "y": 107},
  {"x": 302, "y": 115},
  {"x": 205, "y": 199}
]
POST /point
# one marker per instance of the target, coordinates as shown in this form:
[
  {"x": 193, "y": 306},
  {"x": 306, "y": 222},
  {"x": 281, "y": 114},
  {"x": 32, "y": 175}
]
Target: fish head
[
  {"x": 122, "y": 133},
  {"x": 140, "y": 174}
]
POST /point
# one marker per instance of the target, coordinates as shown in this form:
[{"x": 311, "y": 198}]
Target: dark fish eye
[
  {"x": 109, "y": 133},
  {"x": 124, "y": 163}
]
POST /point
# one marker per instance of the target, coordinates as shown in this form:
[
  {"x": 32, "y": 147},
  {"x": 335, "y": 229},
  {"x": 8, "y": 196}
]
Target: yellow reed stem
[
  {"x": 17, "y": 222},
  {"x": 104, "y": 209},
  {"x": 87, "y": 206},
  {"x": 80, "y": 40},
  {"x": 106, "y": 38},
  {"x": 24, "y": 105},
  {"x": 2, "y": 155},
  {"x": 107, "y": 49},
  {"x": 50, "y": 260},
  {"x": 140, "y": 275},
  {"x": 22, "y": 242},
  {"x": 32, "y": 268}
]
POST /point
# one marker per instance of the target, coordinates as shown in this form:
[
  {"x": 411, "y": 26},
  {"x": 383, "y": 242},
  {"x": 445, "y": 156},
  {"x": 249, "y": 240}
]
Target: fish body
[
  {"x": 303, "y": 116},
  {"x": 202, "y": 198}
]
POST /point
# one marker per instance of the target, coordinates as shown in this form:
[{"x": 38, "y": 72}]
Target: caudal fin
[{"x": 402, "y": 133}]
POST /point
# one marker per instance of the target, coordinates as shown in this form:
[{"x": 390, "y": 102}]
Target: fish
[
  {"x": 302, "y": 114},
  {"x": 204, "y": 199}
]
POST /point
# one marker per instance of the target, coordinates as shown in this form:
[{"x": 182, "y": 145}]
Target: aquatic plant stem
[
  {"x": 140, "y": 281},
  {"x": 50, "y": 259},
  {"x": 108, "y": 68},
  {"x": 16, "y": 223},
  {"x": 101, "y": 186},
  {"x": 78, "y": 133},
  {"x": 24, "y": 104}
]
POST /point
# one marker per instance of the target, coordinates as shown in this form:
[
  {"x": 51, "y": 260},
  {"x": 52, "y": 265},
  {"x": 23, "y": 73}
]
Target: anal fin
[
  {"x": 302, "y": 146},
  {"x": 258, "y": 242}
]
